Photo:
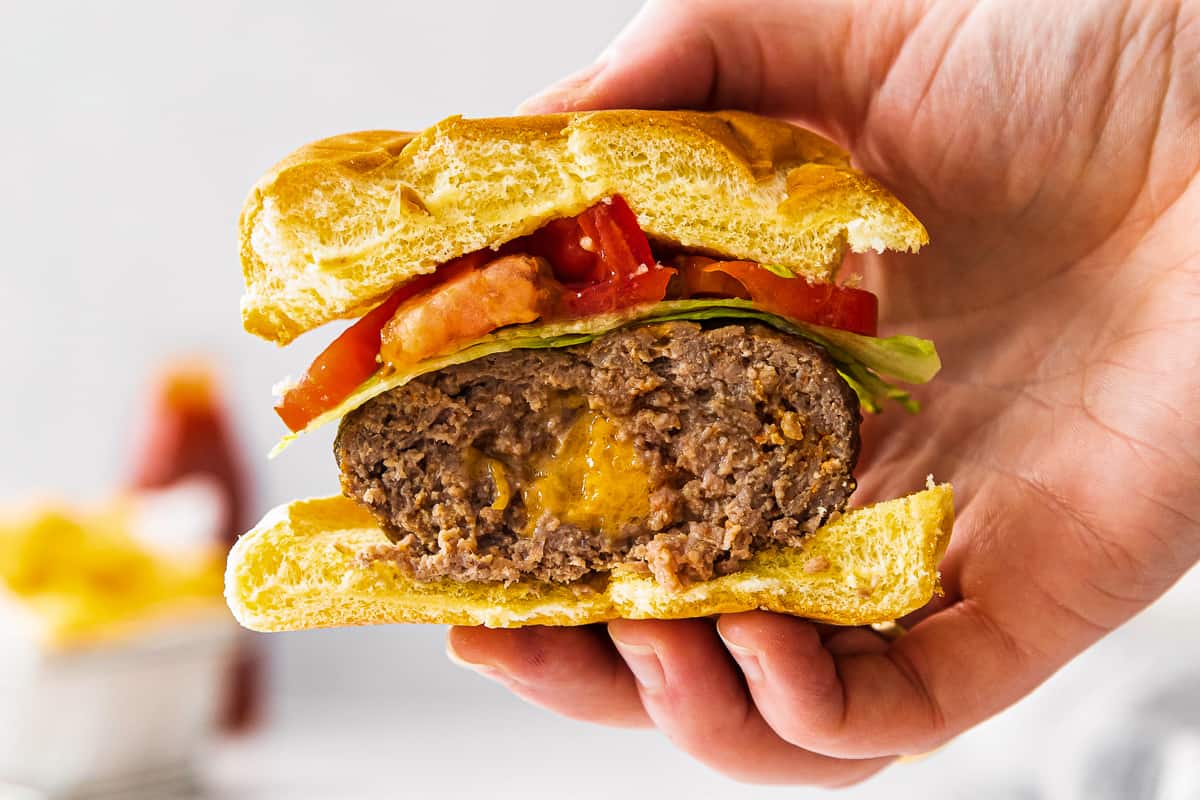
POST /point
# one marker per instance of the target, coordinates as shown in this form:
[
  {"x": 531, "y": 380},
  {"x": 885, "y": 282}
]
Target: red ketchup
[{"x": 186, "y": 434}]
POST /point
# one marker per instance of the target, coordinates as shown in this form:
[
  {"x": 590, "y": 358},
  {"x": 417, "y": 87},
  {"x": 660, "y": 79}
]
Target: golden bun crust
[
  {"x": 299, "y": 568},
  {"x": 335, "y": 226}
]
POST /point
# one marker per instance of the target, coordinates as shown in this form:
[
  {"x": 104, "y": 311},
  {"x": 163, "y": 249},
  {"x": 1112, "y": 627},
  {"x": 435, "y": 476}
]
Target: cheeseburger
[{"x": 602, "y": 365}]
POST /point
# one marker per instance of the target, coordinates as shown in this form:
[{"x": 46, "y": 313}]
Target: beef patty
[{"x": 670, "y": 448}]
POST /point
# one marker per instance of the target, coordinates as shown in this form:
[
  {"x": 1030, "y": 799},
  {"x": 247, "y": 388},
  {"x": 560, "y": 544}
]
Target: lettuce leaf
[
  {"x": 778, "y": 269},
  {"x": 863, "y": 361}
]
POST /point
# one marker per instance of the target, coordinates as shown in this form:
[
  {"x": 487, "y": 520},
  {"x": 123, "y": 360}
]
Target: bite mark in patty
[{"x": 748, "y": 437}]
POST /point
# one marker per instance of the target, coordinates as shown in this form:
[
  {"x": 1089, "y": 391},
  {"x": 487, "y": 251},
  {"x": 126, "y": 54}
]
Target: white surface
[{"x": 132, "y": 133}]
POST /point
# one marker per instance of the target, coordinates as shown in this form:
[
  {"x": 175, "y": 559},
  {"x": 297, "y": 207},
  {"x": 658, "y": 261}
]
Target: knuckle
[
  {"x": 540, "y": 661},
  {"x": 935, "y": 722},
  {"x": 708, "y": 742},
  {"x": 796, "y": 734},
  {"x": 805, "y": 722},
  {"x": 534, "y": 665}
]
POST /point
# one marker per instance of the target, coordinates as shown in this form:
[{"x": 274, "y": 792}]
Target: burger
[{"x": 602, "y": 365}]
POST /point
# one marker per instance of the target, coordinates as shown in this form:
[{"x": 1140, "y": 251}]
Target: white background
[{"x": 130, "y": 135}]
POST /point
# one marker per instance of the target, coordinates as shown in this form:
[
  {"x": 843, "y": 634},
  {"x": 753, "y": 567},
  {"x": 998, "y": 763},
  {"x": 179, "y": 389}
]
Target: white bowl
[{"x": 107, "y": 713}]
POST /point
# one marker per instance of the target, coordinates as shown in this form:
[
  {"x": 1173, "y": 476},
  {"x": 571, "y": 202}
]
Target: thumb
[
  {"x": 663, "y": 58},
  {"x": 768, "y": 56}
]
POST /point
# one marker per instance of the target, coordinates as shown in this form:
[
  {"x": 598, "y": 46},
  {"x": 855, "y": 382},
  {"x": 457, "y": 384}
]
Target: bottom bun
[{"x": 300, "y": 568}]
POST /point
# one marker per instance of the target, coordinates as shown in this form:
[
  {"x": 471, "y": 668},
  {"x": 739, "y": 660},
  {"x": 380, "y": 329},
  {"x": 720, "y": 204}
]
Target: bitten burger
[{"x": 603, "y": 365}]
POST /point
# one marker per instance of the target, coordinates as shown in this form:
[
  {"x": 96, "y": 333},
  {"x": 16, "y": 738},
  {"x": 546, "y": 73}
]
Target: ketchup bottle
[{"x": 186, "y": 434}]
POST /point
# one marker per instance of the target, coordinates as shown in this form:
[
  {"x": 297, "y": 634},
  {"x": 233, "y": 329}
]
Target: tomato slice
[
  {"x": 604, "y": 261},
  {"x": 631, "y": 273},
  {"x": 603, "y": 258},
  {"x": 508, "y": 290},
  {"x": 825, "y": 304},
  {"x": 696, "y": 281},
  {"x": 600, "y": 298},
  {"x": 559, "y": 241},
  {"x": 601, "y": 255},
  {"x": 351, "y": 358},
  {"x": 604, "y": 243},
  {"x": 623, "y": 246}
]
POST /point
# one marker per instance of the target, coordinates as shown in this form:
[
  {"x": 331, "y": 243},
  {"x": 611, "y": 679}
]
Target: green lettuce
[
  {"x": 866, "y": 362},
  {"x": 779, "y": 269}
]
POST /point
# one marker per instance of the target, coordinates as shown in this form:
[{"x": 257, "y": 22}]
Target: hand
[{"x": 1054, "y": 157}]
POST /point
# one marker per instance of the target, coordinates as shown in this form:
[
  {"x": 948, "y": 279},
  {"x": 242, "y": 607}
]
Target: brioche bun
[
  {"x": 335, "y": 226},
  {"x": 300, "y": 568}
]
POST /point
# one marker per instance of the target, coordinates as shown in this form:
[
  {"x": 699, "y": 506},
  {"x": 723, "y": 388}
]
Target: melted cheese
[
  {"x": 594, "y": 480},
  {"x": 500, "y": 481},
  {"x": 495, "y": 468}
]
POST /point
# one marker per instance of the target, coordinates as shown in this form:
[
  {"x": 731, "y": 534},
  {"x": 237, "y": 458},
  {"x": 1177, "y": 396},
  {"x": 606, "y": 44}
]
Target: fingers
[
  {"x": 571, "y": 671},
  {"x": 856, "y": 698},
  {"x": 824, "y": 706},
  {"x": 853, "y": 641},
  {"x": 695, "y": 695}
]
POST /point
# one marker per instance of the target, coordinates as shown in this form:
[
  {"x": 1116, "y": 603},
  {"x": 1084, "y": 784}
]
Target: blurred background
[{"x": 131, "y": 135}]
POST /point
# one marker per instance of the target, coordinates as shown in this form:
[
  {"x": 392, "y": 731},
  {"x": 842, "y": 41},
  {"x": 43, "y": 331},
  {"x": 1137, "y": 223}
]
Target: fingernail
[
  {"x": 487, "y": 670},
  {"x": 559, "y": 96},
  {"x": 746, "y": 658},
  {"x": 643, "y": 663}
]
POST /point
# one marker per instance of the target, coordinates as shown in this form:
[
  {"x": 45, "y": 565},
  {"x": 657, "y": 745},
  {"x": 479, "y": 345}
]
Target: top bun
[{"x": 337, "y": 225}]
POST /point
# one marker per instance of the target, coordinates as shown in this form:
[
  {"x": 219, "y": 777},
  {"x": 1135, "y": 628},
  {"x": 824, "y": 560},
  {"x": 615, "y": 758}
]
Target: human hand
[{"x": 1054, "y": 157}]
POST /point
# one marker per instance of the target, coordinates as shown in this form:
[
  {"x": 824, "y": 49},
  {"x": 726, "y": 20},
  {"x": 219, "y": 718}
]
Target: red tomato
[
  {"x": 604, "y": 260},
  {"x": 604, "y": 243},
  {"x": 558, "y": 241},
  {"x": 631, "y": 274},
  {"x": 615, "y": 269},
  {"x": 623, "y": 246},
  {"x": 825, "y": 304},
  {"x": 696, "y": 281},
  {"x": 599, "y": 298},
  {"x": 601, "y": 256},
  {"x": 350, "y": 359}
]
